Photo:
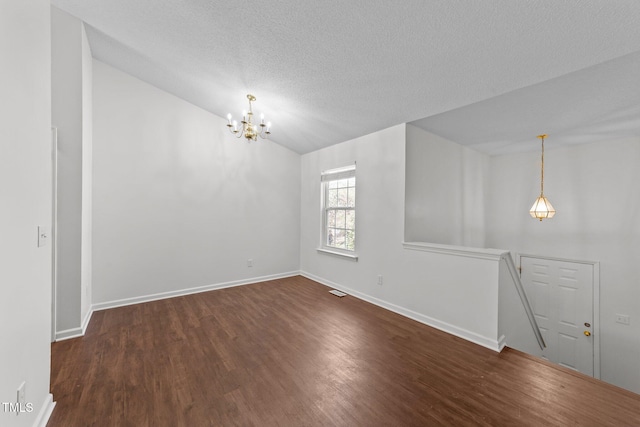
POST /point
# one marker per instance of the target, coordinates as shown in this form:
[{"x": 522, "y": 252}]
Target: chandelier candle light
[
  {"x": 249, "y": 129},
  {"x": 542, "y": 208}
]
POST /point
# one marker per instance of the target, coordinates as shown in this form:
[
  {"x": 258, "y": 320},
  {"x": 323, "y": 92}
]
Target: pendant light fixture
[
  {"x": 248, "y": 129},
  {"x": 542, "y": 208}
]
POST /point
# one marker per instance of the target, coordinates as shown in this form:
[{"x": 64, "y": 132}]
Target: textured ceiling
[
  {"x": 487, "y": 74},
  {"x": 598, "y": 103}
]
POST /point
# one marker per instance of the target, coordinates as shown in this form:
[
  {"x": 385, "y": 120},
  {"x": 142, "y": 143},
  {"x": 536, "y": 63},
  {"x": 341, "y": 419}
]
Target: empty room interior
[{"x": 288, "y": 213}]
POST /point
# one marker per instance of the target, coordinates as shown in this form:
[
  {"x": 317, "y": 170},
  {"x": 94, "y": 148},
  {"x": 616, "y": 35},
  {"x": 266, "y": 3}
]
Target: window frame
[{"x": 326, "y": 177}]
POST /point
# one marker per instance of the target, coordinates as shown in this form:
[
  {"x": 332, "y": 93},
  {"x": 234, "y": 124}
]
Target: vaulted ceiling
[{"x": 487, "y": 74}]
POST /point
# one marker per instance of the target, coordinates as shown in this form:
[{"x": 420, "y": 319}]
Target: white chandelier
[{"x": 250, "y": 130}]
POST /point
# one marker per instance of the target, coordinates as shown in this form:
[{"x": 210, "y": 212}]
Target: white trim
[
  {"x": 45, "y": 411},
  {"x": 551, "y": 258},
  {"x": 486, "y": 342},
  {"x": 326, "y": 177},
  {"x": 596, "y": 320},
  {"x": 337, "y": 253},
  {"x": 67, "y": 334},
  {"x": 189, "y": 291},
  {"x": 502, "y": 343},
  {"x": 87, "y": 319},
  {"x": 596, "y": 301},
  {"x": 79, "y": 332},
  {"x": 54, "y": 230},
  {"x": 489, "y": 254},
  {"x": 338, "y": 173}
]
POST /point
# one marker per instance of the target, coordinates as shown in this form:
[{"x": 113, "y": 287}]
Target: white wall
[
  {"x": 25, "y": 197},
  {"x": 595, "y": 191},
  {"x": 71, "y": 115},
  {"x": 178, "y": 201},
  {"x": 455, "y": 293},
  {"x": 445, "y": 191}
]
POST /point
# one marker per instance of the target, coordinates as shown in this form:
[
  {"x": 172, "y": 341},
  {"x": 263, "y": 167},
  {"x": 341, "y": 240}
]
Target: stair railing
[{"x": 523, "y": 297}]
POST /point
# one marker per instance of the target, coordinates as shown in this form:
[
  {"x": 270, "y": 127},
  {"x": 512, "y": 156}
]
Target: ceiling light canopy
[
  {"x": 250, "y": 130},
  {"x": 542, "y": 208}
]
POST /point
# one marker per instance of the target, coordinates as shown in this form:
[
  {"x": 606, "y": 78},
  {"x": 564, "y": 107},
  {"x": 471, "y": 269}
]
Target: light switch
[{"x": 43, "y": 236}]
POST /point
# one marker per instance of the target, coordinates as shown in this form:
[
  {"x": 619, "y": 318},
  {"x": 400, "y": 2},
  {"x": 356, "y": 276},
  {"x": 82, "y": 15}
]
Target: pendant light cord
[{"x": 542, "y": 169}]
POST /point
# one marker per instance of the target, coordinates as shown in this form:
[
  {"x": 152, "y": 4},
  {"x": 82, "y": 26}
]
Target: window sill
[{"x": 353, "y": 257}]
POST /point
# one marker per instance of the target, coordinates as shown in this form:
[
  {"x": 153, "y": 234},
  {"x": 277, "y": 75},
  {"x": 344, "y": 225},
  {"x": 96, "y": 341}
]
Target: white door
[{"x": 561, "y": 294}]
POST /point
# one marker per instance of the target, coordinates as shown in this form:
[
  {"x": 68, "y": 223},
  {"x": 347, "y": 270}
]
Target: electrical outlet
[
  {"x": 623, "y": 319},
  {"x": 249, "y": 263},
  {"x": 379, "y": 279}
]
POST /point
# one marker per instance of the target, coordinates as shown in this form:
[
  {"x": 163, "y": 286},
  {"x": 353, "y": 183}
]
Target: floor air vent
[{"x": 337, "y": 293}]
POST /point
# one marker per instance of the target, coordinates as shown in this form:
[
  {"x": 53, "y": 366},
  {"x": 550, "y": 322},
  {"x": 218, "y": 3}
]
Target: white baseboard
[
  {"x": 87, "y": 319},
  {"x": 492, "y": 344},
  {"x": 79, "y": 332},
  {"x": 489, "y": 343},
  {"x": 69, "y": 333},
  {"x": 45, "y": 411},
  {"x": 189, "y": 291},
  {"x": 502, "y": 342},
  {"x": 75, "y": 332}
]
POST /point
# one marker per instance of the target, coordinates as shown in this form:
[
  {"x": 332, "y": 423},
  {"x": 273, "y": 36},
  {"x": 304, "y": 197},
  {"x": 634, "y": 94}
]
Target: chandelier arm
[{"x": 239, "y": 133}]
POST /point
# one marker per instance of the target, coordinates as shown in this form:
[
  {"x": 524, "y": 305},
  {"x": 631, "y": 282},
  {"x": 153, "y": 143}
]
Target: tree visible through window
[{"x": 339, "y": 208}]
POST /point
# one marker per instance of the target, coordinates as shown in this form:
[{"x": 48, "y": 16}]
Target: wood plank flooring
[{"x": 287, "y": 353}]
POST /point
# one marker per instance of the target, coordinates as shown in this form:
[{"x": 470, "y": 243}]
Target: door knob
[{"x": 587, "y": 333}]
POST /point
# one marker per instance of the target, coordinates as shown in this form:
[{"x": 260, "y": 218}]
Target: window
[{"x": 339, "y": 209}]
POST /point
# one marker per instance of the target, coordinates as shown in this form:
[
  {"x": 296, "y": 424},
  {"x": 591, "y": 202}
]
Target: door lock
[{"x": 587, "y": 333}]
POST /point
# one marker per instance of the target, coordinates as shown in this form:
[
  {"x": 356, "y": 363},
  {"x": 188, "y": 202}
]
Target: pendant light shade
[{"x": 542, "y": 208}]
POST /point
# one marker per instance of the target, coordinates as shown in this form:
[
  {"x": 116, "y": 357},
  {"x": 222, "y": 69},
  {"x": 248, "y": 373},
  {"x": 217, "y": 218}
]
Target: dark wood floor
[{"x": 287, "y": 353}]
